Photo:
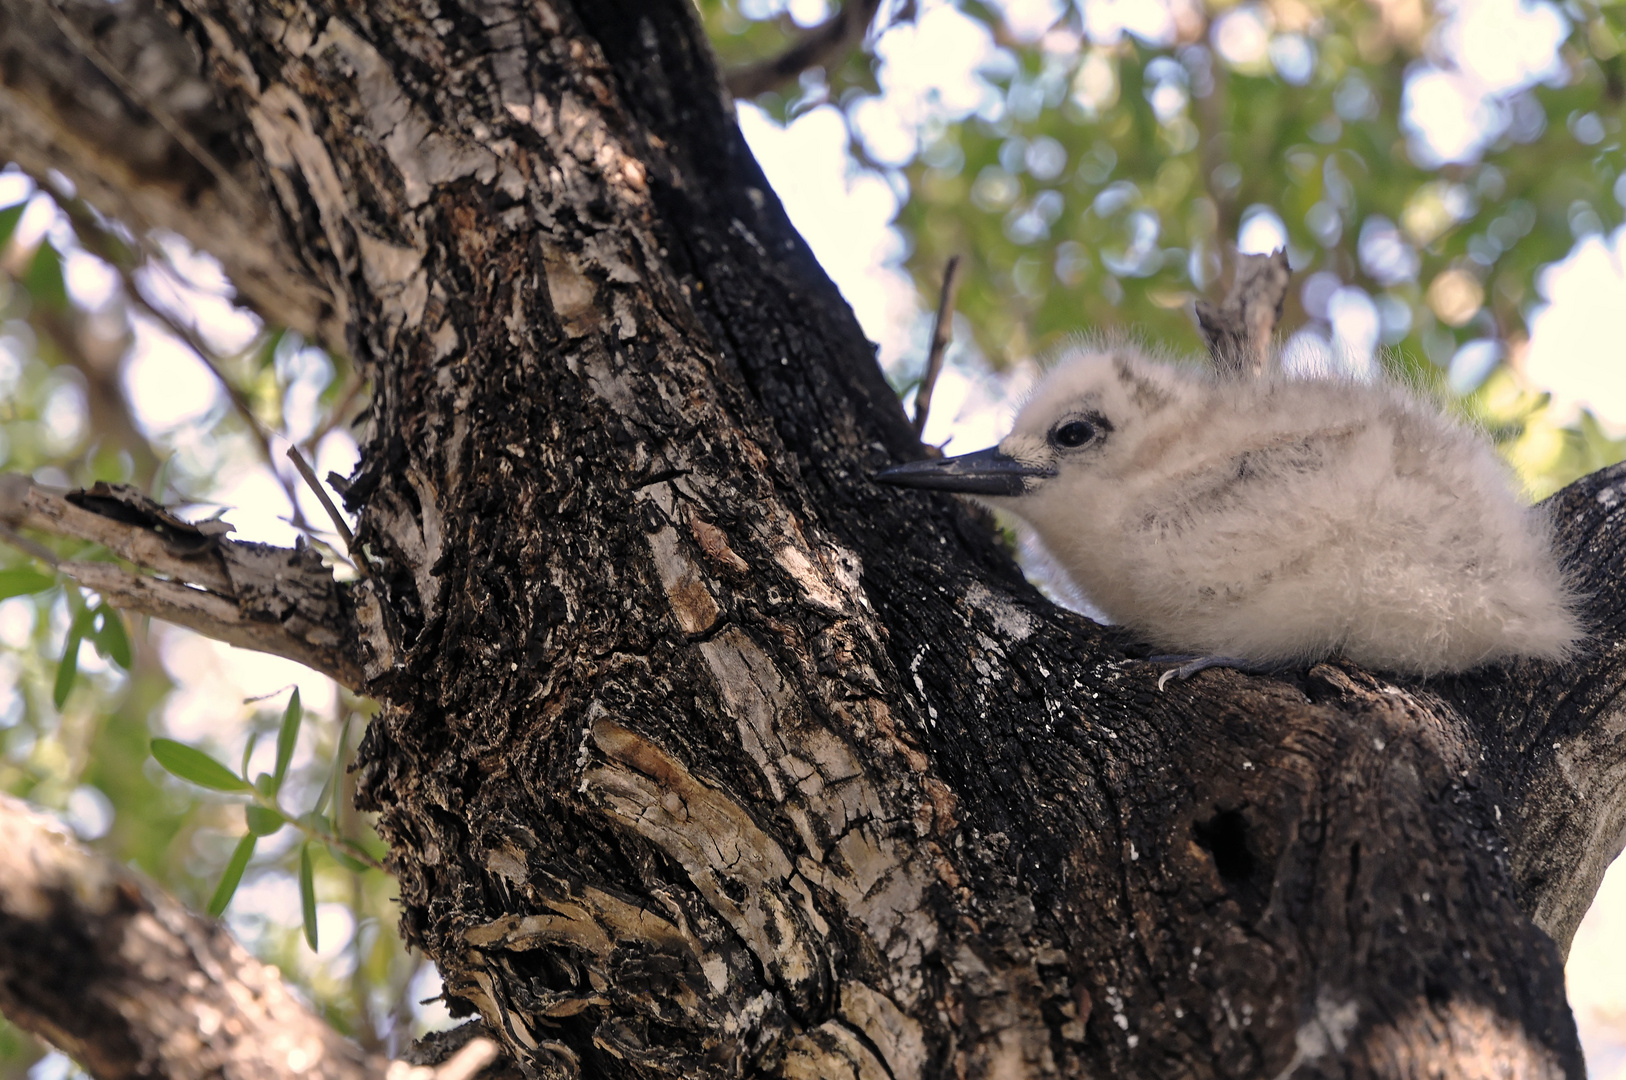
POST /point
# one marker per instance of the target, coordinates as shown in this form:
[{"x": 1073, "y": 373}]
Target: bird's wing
[{"x": 1221, "y": 485}]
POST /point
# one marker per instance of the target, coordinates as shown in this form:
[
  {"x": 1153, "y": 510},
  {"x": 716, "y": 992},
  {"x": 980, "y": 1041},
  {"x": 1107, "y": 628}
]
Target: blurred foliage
[
  {"x": 84, "y": 691},
  {"x": 1098, "y": 183}
]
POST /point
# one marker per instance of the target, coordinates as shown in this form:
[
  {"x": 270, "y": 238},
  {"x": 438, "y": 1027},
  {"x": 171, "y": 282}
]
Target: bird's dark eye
[{"x": 1073, "y": 434}]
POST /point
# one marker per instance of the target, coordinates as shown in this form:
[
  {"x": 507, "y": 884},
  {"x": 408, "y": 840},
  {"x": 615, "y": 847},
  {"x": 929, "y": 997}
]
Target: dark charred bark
[{"x": 703, "y": 756}]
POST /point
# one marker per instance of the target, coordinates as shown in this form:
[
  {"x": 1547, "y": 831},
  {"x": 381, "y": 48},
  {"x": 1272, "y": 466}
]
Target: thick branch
[
  {"x": 103, "y": 103},
  {"x": 1238, "y": 331},
  {"x": 131, "y": 984},
  {"x": 275, "y": 600},
  {"x": 1557, "y": 733}
]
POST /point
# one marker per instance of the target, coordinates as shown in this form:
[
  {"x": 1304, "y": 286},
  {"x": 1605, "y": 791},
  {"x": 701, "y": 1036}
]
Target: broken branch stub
[
  {"x": 281, "y": 601},
  {"x": 1239, "y": 329}
]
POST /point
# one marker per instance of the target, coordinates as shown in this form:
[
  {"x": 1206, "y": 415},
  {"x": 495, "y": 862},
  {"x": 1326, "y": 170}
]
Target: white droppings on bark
[
  {"x": 1009, "y": 619},
  {"x": 1326, "y": 1032}
]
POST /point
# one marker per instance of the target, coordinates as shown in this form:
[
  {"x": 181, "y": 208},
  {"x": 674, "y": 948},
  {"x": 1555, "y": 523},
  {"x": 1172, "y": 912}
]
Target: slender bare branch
[
  {"x": 315, "y": 485},
  {"x": 942, "y": 326},
  {"x": 1238, "y": 331},
  {"x": 821, "y": 46}
]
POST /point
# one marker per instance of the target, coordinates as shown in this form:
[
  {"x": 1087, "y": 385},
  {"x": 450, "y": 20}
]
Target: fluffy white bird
[{"x": 1275, "y": 520}]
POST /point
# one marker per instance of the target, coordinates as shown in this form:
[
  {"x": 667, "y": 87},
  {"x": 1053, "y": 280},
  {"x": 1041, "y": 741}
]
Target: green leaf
[
  {"x": 108, "y": 635},
  {"x": 233, "y": 875},
  {"x": 248, "y": 750},
  {"x": 190, "y": 763},
  {"x": 24, "y": 581},
  {"x": 43, "y": 278},
  {"x": 332, "y": 785},
  {"x": 307, "y": 895},
  {"x": 349, "y": 862},
  {"x": 8, "y": 221},
  {"x": 67, "y": 670},
  {"x": 266, "y": 352},
  {"x": 263, "y": 820},
  {"x": 287, "y": 737}
]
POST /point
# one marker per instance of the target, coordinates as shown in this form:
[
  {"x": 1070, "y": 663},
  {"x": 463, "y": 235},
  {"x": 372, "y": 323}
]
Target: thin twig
[
  {"x": 315, "y": 485},
  {"x": 942, "y": 331},
  {"x": 821, "y": 46}
]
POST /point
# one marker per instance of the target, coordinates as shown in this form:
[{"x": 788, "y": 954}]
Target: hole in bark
[{"x": 1225, "y": 837}]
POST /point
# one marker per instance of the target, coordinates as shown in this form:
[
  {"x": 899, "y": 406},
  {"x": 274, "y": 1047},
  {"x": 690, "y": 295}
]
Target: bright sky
[{"x": 1489, "y": 47}]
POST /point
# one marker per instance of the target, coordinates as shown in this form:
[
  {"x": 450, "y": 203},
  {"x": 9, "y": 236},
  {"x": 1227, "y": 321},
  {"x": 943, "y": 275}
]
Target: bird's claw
[{"x": 1190, "y": 665}]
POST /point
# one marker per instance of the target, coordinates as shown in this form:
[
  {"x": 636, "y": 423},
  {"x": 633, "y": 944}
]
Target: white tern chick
[{"x": 1275, "y": 520}]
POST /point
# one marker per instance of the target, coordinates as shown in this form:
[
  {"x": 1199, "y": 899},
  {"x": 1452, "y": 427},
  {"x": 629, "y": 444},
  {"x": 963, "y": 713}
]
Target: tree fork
[{"x": 701, "y": 754}]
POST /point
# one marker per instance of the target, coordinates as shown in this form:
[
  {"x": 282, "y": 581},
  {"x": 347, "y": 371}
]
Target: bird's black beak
[{"x": 986, "y": 472}]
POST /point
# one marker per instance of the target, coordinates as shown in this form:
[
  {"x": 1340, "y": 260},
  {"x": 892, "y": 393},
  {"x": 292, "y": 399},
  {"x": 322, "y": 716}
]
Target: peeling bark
[{"x": 701, "y": 755}]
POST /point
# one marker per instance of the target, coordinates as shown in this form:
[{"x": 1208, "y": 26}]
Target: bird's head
[{"x": 1083, "y": 421}]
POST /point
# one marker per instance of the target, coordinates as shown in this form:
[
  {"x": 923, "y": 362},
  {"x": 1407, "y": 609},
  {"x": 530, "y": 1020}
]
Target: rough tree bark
[
  {"x": 131, "y": 983},
  {"x": 703, "y": 756}
]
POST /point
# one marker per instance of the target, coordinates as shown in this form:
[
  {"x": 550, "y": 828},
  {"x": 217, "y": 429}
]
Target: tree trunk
[{"x": 702, "y": 755}]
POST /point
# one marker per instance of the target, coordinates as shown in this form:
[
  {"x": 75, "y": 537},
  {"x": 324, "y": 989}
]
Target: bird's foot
[{"x": 1187, "y": 666}]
